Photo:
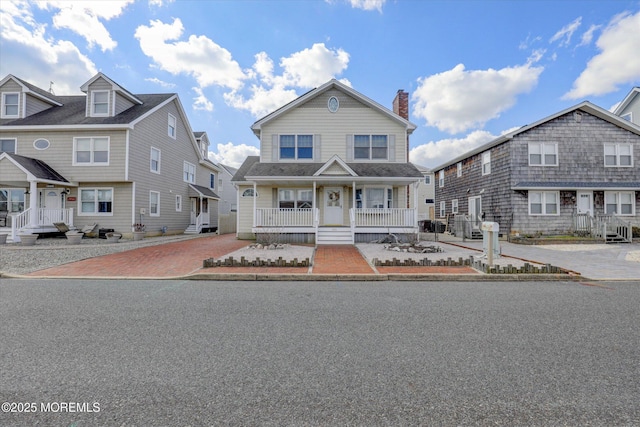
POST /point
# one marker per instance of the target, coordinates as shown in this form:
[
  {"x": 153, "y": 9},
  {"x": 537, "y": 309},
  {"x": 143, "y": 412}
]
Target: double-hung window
[
  {"x": 374, "y": 197},
  {"x": 370, "y": 147},
  {"x": 155, "y": 160},
  {"x": 618, "y": 155},
  {"x": 172, "y": 124},
  {"x": 443, "y": 209},
  {"x": 619, "y": 202},
  {"x": 100, "y": 103},
  {"x": 12, "y": 200},
  {"x": 189, "y": 172},
  {"x": 543, "y": 154},
  {"x": 10, "y": 105},
  {"x": 486, "y": 163},
  {"x": 459, "y": 169},
  {"x": 212, "y": 181},
  {"x": 154, "y": 203},
  {"x": 292, "y": 198},
  {"x": 296, "y": 147},
  {"x": 441, "y": 178},
  {"x": 91, "y": 151},
  {"x": 8, "y": 145},
  {"x": 96, "y": 201},
  {"x": 454, "y": 206},
  {"x": 544, "y": 203}
]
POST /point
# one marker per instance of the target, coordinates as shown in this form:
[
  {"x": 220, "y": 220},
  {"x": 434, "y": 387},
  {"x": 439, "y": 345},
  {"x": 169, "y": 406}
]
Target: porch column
[
  {"x": 314, "y": 203},
  {"x": 33, "y": 204},
  {"x": 255, "y": 191}
]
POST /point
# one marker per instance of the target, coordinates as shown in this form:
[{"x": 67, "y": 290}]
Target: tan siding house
[
  {"x": 332, "y": 169},
  {"x": 107, "y": 157}
]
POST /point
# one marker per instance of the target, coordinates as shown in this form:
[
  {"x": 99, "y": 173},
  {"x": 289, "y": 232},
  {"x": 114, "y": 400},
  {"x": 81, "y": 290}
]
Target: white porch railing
[
  {"x": 46, "y": 217},
  {"x": 275, "y": 217},
  {"x": 392, "y": 217}
]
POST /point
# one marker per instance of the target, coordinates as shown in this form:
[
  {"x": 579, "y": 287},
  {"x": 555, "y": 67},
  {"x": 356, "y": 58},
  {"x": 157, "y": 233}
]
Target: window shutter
[
  {"x": 392, "y": 148},
  {"x": 349, "y": 148},
  {"x": 317, "y": 157},
  {"x": 274, "y": 148}
]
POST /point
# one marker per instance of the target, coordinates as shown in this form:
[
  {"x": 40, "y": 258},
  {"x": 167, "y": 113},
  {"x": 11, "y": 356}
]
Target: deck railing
[
  {"x": 50, "y": 216},
  {"x": 392, "y": 217},
  {"x": 276, "y": 217}
]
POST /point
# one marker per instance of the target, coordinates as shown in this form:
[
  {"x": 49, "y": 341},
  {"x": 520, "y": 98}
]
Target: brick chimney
[{"x": 401, "y": 104}]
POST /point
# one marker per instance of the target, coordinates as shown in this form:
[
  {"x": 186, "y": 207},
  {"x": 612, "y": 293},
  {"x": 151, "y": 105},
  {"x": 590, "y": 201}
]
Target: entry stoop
[{"x": 334, "y": 236}]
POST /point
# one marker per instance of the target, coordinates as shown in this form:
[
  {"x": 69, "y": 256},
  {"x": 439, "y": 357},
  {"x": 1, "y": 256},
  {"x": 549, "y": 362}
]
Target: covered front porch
[
  {"x": 33, "y": 197},
  {"x": 333, "y": 212}
]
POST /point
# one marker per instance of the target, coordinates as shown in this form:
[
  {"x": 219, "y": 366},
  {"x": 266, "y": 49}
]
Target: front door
[
  {"x": 585, "y": 202},
  {"x": 475, "y": 211},
  {"x": 195, "y": 210},
  {"x": 333, "y": 203},
  {"x": 53, "y": 205}
]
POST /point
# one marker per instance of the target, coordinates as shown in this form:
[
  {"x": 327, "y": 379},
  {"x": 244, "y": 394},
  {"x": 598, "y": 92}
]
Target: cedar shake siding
[{"x": 576, "y": 139}]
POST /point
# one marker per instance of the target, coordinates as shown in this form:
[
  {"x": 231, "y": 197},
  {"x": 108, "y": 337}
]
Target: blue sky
[{"x": 473, "y": 69}]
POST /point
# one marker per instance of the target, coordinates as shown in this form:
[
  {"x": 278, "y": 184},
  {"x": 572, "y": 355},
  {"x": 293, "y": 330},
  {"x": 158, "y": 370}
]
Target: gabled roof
[
  {"x": 114, "y": 86},
  {"x": 72, "y": 112},
  {"x": 35, "y": 91},
  {"x": 331, "y": 84},
  {"x": 627, "y": 100},
  {"x": 40, "y": 170},
  {"x": 335, "y": 160},
  {"x": 584, "y": 106},
  {"x": 230, "y": 170}
]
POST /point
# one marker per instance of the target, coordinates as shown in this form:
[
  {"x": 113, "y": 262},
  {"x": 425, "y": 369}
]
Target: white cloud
[
  {"x": 305, "y": 69},
  {"x": 458, "y": 100},
  {"x": 35, "y": 56},
  {"x": 201, "y": 102},
  {"x": 161, "y": 83},
  {"x": 435, "y": 153},
  {"x": 159, "y": 3},
  {"x": 617, "y": 63},
  {"x": 565, "y": 33},
  {"x": 587, "y": 36},
  {"x": 233, "y": 155},
  {"x": 198, "y": 57},
  {"x": 368, "y": 4},
  {"x": 84, "y": 18}
]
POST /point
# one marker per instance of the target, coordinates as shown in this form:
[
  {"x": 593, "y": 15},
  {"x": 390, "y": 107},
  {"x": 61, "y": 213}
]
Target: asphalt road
[{"x": 169, "y": 353}]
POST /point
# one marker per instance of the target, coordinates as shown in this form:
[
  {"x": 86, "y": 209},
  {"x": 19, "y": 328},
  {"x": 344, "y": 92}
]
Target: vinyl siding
[
  {"x": 352, "y": 118},
  {"x": 99, "y": 84},
  {"x": 122, "y": 104},
  {"x": 59, "y": 155},
  {"x": 13, "y": 87},
  {"x": 34, "y": 105}
]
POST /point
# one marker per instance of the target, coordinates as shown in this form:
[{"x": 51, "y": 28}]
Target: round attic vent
[{"x": 41, "y": 144}]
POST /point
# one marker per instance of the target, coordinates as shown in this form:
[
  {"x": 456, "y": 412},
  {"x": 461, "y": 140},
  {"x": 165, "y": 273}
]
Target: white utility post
[{"x": 490, "y": 240}]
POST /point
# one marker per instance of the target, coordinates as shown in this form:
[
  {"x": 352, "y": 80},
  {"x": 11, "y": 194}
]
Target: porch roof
[
  {"x": 41, "y": 171},
  {"x": 576, "y": 185},
  {"x": 200, "y": 191},
  {"x": 254, "y": 170}
]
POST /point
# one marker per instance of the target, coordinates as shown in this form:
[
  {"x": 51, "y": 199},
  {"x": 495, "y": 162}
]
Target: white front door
[
  {"x": 52, "y": 204},
  {"x": 584, "y": 203},
  {"x": 333, "y": 202},
  {"x": 475, "y": 211}
]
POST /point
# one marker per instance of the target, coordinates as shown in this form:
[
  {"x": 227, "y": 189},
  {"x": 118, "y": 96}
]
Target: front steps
[
  {"x": 192, "y": 229},
  {"x": 334, "y": 236}
]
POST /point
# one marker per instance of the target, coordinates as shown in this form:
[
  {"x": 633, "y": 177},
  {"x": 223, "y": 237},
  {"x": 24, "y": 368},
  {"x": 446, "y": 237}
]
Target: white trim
[
  {"x": 459, "y": 169},
  {"x": 617, "y": 194},
  {"x": 3, "y": 115},
  {"x": 126, "y": 155},
  {"x": 158, "y": 206},
  {"x": 15, "y": 144},
  {"x": 184, "y": 170},
  {"x": 151, "y": 150},
  {"x": 454, "y": 206},
  {"x": 441, "y": 178},
  {"x": 175, "y": 126},
  {"x": 92, "y": 139},
  {"x": 40, "y": 139},
  {"x": 335, "y": 159},
  {"x": 178, "y": 203},
  {"x": 542, "y": 146},
  {"x": 486, "y": 161},
  {"x": 95, "y": 213},
  {"x": 543, "y": 207},
  {"x": 92, "y": 103},
  {"x": 617, "y": 154}
]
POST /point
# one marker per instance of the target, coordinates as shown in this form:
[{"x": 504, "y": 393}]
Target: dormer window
[
  {"x": 10, "y": 105},
  {"x": 100, "y": 103}
]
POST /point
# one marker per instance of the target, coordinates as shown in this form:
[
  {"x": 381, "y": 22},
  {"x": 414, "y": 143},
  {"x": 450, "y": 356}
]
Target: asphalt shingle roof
[
  {"x": 576, "y": 184},
  {"x": 38, "y": 168},
  {"x": 73, "y": 112}
]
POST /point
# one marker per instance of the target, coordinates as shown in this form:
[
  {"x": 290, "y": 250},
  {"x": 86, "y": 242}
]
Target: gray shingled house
[
  {"x": 576, "y": 171},
  {"x": 333, "y": 168},
  {"x": 107, "y": 157}
]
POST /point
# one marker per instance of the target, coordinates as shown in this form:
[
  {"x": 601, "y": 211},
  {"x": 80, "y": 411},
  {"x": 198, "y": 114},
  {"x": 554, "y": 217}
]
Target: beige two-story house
[
  {"x": 333, "y": 168},
  {"x": 107, "y": 157}
]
